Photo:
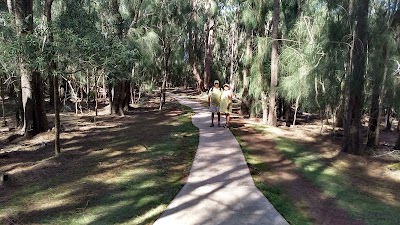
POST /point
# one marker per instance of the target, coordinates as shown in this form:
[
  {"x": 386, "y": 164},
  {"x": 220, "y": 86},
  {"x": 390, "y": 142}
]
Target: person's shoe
[
  {"x": 212, "y": 125},
  {"x": 226, "y": 126},
  {"x": 219, "y": 124}
]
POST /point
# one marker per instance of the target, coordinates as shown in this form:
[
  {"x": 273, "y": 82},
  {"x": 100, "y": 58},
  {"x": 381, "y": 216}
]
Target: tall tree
[
  {"x": 352, "y": 141},
  {"x": 120, "y": 87},
  {"x": 193, "y": 45},
  {"x": 209, "y": 42},
  {"x": 35, "y": 120},
  {"x": 272, "y": 118}
]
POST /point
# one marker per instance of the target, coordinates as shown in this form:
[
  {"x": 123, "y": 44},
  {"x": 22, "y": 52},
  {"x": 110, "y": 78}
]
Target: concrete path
[{"x": 220, "y": 189}]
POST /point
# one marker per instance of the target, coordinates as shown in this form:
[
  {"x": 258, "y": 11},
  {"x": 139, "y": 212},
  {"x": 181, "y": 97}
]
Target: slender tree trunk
[
  {"x": 376, "y": 102},
  {"x": 296, "y": 110},
  {"x": 95, "y": 94},
  {"x": 352, "y": 141},
  {"x": 264, "y": 102},
  {"x": 193, "y": 47},
  {"x": 135, "y": 15},
  {"x": 167, "y": 53},
  {"x": 397, "y": 146},
  {"x": 193, "y": 59},
  {"x": 51, "y": 65},
  {"x": 272, "y": 119},
  {"x": 388, "y": 117},
  {"x": 246, "y": 100},
  {"x": 2, "y": 101},
  {"x": 232, "y": 58},
  {"x": 57, "y": 115},
  {"x": 209, "y": 48},
  {"x": 87, "y": 89}
]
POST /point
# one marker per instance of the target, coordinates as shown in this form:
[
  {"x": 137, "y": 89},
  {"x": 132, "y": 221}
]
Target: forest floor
[
  {"x": 111, "y": 169},
  {"x": 306, "y": 166}
]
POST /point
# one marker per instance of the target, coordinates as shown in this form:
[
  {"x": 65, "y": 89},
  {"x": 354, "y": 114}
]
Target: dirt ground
[
  {"x": 31, "y": 160},
  {"x": 368, "y": 173},
  {"x": 92, "y": 149}
]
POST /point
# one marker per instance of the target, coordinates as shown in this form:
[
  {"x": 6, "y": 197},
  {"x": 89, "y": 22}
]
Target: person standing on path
[
  {"x": 214, "y": 98},
  {"x": 226, "y": 103}
]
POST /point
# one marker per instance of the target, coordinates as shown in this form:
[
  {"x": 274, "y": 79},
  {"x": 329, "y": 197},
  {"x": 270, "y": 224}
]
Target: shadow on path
[{"x": 220, "y": 189}]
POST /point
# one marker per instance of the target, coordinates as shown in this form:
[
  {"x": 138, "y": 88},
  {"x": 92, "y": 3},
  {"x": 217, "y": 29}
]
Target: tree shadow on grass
[
  {"x": 340, "y": 183},
  {"x": 103, "y": 169}
]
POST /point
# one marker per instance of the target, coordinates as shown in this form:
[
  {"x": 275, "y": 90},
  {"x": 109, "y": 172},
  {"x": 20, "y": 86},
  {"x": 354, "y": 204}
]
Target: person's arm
[{"x": 209, "y": 97}]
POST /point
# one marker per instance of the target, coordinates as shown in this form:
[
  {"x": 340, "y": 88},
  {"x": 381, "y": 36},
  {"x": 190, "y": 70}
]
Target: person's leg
[
  {"x": 219, "y": 118},
  {"x": 212, "y": 119},
  {"x": 227, "y": 119}
]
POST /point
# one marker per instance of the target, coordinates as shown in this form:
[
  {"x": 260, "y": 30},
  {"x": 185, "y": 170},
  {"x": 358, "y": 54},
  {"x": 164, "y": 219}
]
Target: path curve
[{"x": 220, "y": 189}]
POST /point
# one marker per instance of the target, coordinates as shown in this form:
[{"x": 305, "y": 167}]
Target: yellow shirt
[
  {"x": 215, "y": 95},
  {"x": 225, "y": 107}
]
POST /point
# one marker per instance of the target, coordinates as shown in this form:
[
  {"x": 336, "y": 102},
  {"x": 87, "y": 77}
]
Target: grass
[
  {"x": 275, "y": 195},
  {"x": 334, "y": 183},
  {"x": 394, "y": 167},
  {"x": 129, "y": 181}
]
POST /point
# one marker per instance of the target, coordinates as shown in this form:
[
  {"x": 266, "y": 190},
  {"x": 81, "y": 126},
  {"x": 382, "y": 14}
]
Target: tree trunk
[
  {"x": 40, "y": 121},
  {"x": 120, "y": 90},
  {"x": 340, "y": 116},
  {"x": 246, "y": 100},
  {"x": 232, "y": 59},
  {"x": 35, "y": 120},
  {"x": 120, "y": 97},
  {"x": 388, "y": 117},
  {"x": 134, "y": 14},
  {"x": 295, "y": 110},
  {"x": 57, "y": 115},
  {"x": 352, "y": 140},
  {"x": 2, "y": 93},
  {"x": 87, "y": 89},
  {"x": 95, "y": 94},
  {"x": 51, "y": 65},
  {"x": 264, "y": 102},
  {"x": 167, "y": 54},
  {"x": 376, "y": 101},
  {"x": 272, "y": 119},
  {"x": 193, "y": 47},
  {"x": 397, "y": 146},
  {"x": 209, "y": 48}
]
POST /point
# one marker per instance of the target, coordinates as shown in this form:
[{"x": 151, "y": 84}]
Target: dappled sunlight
[
  {"x": 115, "y": 153},
  {"x": 125, "y": 170},
  {"x": 283, "y": 177},
  {"x": 45, "y": 200},
  {"x": 148, "y": 215},
  {"x": 138, "y": 149}
]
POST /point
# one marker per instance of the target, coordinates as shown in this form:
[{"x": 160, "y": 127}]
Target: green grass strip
[
  {"x": 281, "y": 202},
  {"x": 335, "y": 184}
]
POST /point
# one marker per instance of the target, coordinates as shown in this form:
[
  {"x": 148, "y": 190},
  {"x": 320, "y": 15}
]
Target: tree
[
  {"x": 34, "y": 120},
  {"x": 352, "y": 141},
  {"x": 272, "y": 118},
  {"x": 193, "y": 45}
]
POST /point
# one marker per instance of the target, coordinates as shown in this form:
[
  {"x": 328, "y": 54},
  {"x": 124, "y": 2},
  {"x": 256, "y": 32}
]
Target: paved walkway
[{"x": 220, "y": 189}]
